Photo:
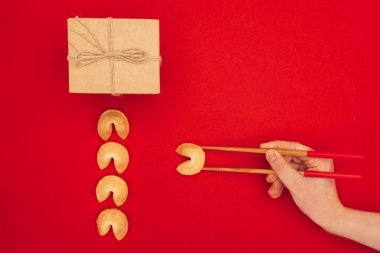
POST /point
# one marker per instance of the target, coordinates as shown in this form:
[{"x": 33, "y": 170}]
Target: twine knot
[{"x": 133, "y": 55}]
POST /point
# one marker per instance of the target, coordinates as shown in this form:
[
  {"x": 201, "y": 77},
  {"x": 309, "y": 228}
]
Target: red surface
[
  {"x": 333, "y": 155},
  {"x": 234, "y": 73}
]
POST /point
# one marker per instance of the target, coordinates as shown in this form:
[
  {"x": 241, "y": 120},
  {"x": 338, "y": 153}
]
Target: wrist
[{"x": 335, "y": 220}]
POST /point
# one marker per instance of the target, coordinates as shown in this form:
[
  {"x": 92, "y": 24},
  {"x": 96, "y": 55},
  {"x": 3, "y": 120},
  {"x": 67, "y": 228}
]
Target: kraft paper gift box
[{"x": 114, "y": 56}]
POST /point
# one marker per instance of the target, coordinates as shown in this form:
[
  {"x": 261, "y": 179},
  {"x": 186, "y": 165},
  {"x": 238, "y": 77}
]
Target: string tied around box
[{"x": 86, "y": 57}]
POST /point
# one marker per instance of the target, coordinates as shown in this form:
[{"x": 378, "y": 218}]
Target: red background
[{"x": 234, "y": 73}]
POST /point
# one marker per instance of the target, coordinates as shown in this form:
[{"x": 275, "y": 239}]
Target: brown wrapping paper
[{"x": 114, "y": 56}]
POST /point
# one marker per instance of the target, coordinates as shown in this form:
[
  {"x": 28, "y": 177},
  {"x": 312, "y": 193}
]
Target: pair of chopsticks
[{"x": 297, "y": 153}]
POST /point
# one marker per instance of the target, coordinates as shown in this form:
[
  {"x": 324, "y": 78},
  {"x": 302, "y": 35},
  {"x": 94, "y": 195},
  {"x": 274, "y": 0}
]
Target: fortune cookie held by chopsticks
[{"x": 197, "y": 159}]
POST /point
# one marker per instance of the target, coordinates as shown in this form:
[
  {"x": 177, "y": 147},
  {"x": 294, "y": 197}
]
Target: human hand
[{"x": 316, "y": 197}]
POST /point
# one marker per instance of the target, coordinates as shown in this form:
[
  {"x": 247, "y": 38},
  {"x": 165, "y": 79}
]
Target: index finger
[{"x": 285, "y": 145}]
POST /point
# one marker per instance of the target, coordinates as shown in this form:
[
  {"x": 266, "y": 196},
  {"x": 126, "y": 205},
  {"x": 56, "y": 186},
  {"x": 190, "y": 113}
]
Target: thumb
[{"x": 288, "y": 175}]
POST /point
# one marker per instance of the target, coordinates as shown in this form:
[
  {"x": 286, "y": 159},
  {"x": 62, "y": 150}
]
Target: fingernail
[{"x": 271, "y": 156}]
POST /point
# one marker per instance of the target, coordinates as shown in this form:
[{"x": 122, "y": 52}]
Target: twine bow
[{"x": 84, "y": 58}]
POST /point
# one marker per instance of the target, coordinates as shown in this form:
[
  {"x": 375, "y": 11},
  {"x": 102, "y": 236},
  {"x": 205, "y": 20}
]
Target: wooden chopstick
[
  {"x": 287, "y": 152},
  {"x": 306, "y": 173}
]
